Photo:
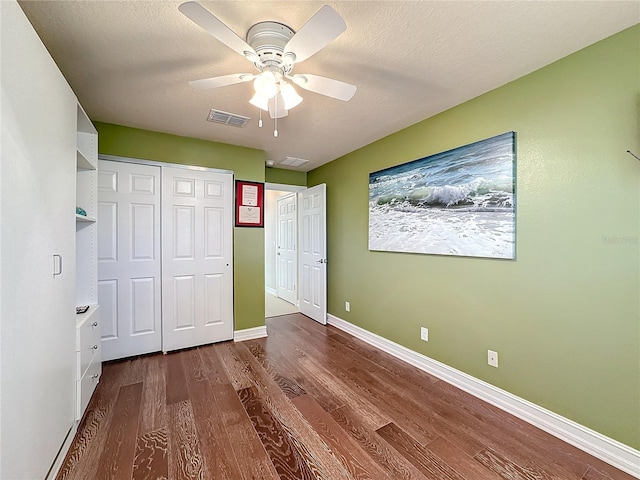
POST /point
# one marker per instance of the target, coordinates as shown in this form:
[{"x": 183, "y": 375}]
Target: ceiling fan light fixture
[
  {"x": 289, "y": 95},
  {"x": 266, "y": 84},
  {"x": 276, "y": 107},
  {"x": 259, "y": 101}
]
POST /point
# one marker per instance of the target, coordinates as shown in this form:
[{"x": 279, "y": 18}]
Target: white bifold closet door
[
  {"x": 165, "y": 258},
  {"x": 129, "y": 256},
  {"x": 197, "y": 251}
]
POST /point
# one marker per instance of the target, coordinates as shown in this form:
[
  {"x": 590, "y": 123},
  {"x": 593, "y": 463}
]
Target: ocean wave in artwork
[{"x": 478, "y": 194}]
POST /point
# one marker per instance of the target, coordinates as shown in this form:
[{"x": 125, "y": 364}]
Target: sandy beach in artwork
[{"x": 477, "y": 234}]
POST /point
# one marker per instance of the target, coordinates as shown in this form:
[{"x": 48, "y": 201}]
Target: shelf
[
  {"x": 84, "y": 123},
  {"x": 82, "y": 163},
  {"x": 86, "y": 291},
  {"x": 84, "y": 219}
]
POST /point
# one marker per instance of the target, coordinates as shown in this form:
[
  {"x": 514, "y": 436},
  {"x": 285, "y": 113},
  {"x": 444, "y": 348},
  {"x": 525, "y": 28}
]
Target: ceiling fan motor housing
[{"x": 268, "y": 39}]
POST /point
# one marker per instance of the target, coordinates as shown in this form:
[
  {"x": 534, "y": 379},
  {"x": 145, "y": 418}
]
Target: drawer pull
[
  {"x": 95, "y": 324},
  {"x": 95, "y": 347},
  {"x": 94, "y": 376}
]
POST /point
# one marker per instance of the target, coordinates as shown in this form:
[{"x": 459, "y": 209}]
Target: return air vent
[
  {"x": 293, "y": 161},
  {"x": 226, "y": 118}
]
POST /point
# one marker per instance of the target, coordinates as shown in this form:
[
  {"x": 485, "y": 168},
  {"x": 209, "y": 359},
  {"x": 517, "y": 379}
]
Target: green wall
[
  {"x": 565, "y": 315},
  {"x": 285, "y": 177},
  {"x": 246, "y": 163}
]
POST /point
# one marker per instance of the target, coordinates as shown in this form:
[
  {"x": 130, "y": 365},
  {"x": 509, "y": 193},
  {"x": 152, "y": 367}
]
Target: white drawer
[
  {"x": 87, "y": 341},
  {"x": 88, "y": 328},
  {"x": 86, "y": 387},
  {"x": 84, "y": 359}
]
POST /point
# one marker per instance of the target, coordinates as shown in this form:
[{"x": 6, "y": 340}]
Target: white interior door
[
  {"x": 129, "y": 258},
  {"x": 197, "y": 255},
  {"x": 313, "y": 252},
  {"x": 286, "y": 250}
]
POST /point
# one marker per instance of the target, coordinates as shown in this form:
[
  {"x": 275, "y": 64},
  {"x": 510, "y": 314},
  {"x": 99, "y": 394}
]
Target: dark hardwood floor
[{"x": 308, "y": 402}]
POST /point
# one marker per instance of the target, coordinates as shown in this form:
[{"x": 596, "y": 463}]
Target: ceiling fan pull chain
[
  {"x": 260, "y": 121},
  {"x": 275, "y": 120}
]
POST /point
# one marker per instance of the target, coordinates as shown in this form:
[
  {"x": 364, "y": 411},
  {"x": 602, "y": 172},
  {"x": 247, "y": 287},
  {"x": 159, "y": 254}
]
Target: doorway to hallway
[
  {"x": 274, "y": 306},
  {"x": 280, "y": 236},
  {"x": 306, "y": 281}
]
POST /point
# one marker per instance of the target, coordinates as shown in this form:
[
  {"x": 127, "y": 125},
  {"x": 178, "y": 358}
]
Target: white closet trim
[{"x": 154, "y": 163}]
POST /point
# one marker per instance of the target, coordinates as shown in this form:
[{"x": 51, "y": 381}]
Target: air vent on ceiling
[
  {"x": 226, "y": 118},
  {"x": 293, "y": 161}
]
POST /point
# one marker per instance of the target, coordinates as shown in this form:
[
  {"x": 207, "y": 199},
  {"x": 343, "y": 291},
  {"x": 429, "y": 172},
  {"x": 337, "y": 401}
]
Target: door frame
[{"x": 155, "y": 163}]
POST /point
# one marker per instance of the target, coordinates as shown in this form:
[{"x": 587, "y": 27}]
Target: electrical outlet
[
  {"x": 492, "y": 358},
  {"x": 347, "y": 306},
  {"x": 424, "y": 334}
]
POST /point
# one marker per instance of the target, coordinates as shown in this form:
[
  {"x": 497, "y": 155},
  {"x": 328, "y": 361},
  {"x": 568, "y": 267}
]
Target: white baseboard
[
  {"x": 249, "y": 334},
  {"x": 62, "y": 454},
  {"x": 271, "y": 291},
  {"x": 607, "y": 449}
]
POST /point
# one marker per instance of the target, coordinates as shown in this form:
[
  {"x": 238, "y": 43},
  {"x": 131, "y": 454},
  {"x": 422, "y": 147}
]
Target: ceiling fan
[{"x": 274, "y": 49}]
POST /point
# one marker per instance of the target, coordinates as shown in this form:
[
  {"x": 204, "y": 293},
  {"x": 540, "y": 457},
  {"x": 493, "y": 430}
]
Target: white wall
[{"x": 38, "y": 114}]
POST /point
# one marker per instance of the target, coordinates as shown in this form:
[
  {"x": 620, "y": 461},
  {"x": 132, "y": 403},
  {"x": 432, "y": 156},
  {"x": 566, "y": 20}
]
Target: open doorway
[{"x": 281, "y": 238}]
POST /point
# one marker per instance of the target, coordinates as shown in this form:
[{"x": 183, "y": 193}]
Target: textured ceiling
[{"x": 129, "y": 62}]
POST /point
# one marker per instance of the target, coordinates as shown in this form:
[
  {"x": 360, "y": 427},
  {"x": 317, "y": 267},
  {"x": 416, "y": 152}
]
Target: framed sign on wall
[{"x": 249, "y": 204}]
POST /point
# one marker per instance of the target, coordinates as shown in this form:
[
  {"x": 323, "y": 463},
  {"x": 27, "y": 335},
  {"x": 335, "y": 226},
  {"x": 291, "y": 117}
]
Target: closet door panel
[
  {"x": 129, "y": 258},
  {"x": 183, "y": 233},
  {"x": 108, "y": 231},
  {"x": 197, "y": 282},
  {"x": 108, "y": 294},
  {"x": 143, "y": 219},
  {"x": 143, "y": 291},
  {"x": 213, "y": 231},
  {"x": 213, "y": 299},
  {"x": 184, "y": 308}
]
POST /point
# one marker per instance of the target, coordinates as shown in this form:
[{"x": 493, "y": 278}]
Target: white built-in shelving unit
[{"x": 87, "y": 324}]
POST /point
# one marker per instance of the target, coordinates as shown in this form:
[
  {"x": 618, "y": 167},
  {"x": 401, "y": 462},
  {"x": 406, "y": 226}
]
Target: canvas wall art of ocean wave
[{"x": 458, "y": 202}]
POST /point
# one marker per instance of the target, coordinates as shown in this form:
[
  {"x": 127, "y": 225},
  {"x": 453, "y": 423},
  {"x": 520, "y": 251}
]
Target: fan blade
[
  {"x": 276, "y": 107},
  {"x": 208, "y": 22},
  {"x": 325, "y": 86},
  {"x": 223, "y": 81},
  {"x": 314, "y": 35}
]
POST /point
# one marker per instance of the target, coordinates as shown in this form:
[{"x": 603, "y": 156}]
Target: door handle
[
  {"x": 57, "y": 264},
  {"x": 322, "y": 260}
]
